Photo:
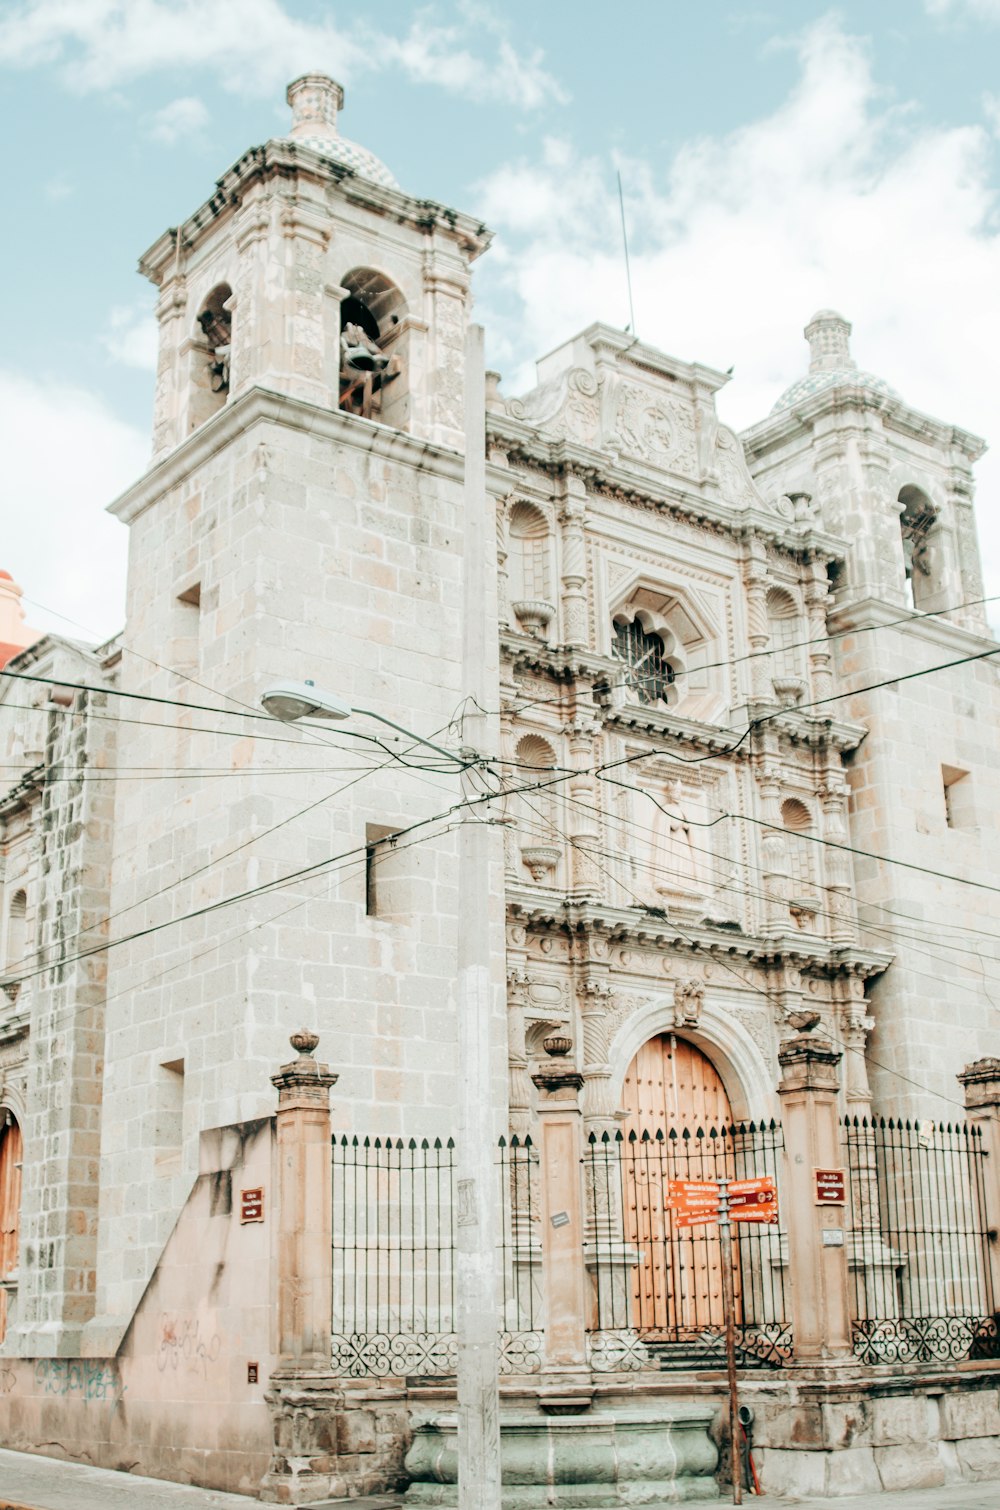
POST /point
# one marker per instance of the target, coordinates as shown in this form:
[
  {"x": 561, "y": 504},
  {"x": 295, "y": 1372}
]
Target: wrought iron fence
[
  {"x": 919, "y": 1254},
  {"x": 657, "y": 1293},
  {"x": 394, "y": 1272}
]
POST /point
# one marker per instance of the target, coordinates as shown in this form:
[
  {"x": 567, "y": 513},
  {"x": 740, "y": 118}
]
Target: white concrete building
[{"x": 720, "y": 814}]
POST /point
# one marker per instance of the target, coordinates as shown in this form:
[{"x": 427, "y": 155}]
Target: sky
[{"x": 776, "y": 159}]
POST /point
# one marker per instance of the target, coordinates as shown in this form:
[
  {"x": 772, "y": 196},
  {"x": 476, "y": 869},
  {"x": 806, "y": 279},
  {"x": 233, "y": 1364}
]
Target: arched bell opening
[
  {"x": 211, "y": 350},
  {"x": 374, "y": 336},
  {"x": 11, "y": 1153}
]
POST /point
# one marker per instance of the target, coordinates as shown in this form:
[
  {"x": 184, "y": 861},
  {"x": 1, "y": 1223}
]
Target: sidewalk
[{"x": 28, "y": 1482}]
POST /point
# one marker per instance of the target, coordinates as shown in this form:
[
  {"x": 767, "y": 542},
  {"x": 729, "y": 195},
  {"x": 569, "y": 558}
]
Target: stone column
[
  {"x": 304, "y": 1398},
  {"x": 981, "y": 1084},
  {"x": 572, "y": 516},
  {"x": 564, "y": 1277},
  {"x": 820, "y": 655},
  {"x": 305, "y": 1276},
  {"x": 755, "y": 577},
  {"x": 821, "y": 1317}
]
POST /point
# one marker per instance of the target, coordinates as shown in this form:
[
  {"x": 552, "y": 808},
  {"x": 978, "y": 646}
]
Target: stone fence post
[
  {"x": 821, "y": 1317},
  {"x": 305, "y": 1223},
  {"x": 304, "y": 1398},
  {"x": 564, "y": 1274},
  {"x": 981, "y": 1083}
]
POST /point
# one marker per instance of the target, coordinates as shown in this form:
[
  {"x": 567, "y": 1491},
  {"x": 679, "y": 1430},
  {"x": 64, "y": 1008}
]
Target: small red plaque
[
  {"x": 831, "y": 1187},
  {"x": 252, "y": 1205},
  {"x": 253, "y": 1373}
]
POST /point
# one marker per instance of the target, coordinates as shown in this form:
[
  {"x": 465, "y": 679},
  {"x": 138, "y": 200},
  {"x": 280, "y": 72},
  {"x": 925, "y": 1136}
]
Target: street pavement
[{"x": 28, "y": 1482}]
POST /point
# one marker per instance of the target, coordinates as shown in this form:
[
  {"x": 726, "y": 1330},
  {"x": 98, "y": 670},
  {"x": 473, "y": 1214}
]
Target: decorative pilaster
[
  {"x": 755, "y": 577},
  {"x": 583, "y": 818},
  {"x": 821, "y": 1318},
  {"x": 820, "y": 657},
  {"x": 574, "y": 563}
]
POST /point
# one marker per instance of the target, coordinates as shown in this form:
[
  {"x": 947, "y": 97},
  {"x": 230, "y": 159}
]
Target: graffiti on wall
[
  {"x": 183, "y": 1345},
  {"x": 81, "y": 1377}
]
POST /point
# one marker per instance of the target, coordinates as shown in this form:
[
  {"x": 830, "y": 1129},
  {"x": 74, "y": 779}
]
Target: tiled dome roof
[
  {"x": 315, "y": 100},
  {"x": 816, "y": 382},
  {"x": 830, "y": 363}
]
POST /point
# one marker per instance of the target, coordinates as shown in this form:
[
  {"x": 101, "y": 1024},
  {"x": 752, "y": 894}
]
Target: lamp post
[{"x": 477, "y": 1203}]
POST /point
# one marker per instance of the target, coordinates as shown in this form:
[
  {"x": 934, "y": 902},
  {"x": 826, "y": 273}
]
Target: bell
[{"x": 362, "y": 360}]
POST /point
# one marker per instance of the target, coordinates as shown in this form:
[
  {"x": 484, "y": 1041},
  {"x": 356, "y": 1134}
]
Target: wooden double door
[{"x": 672, "y": 1092}]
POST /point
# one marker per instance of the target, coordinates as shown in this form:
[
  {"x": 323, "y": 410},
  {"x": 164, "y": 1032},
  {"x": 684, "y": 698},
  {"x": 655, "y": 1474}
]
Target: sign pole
[{"x": 728, "y": 1309}]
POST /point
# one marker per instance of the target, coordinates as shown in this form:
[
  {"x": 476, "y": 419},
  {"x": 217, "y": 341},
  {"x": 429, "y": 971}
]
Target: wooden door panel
[{"x": 671, "y": 1086}]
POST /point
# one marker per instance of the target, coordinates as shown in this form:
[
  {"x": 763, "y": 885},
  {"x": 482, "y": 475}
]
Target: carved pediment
[
  {"x": 655, "y": 428},
  {"x": 567, "y": 406}
]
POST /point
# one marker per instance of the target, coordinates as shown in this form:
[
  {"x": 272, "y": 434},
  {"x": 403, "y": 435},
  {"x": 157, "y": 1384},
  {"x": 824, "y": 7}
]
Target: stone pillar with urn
[
  {"x": 755, "y": 577},
  {"x": 564, "y": 1275},
  {"x": 821, "y": 1317},
  {"x": 304, "y": 1397},
  {"x": 981, "y": 1083}
]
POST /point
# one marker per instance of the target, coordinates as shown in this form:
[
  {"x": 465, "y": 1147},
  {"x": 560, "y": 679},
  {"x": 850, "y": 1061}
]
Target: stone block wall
[{"x": 862, "y": 1438}]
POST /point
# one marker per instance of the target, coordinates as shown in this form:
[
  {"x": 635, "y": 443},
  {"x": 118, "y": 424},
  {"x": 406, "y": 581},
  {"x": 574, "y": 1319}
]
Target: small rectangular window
[
  {"x": 958, "y": 798},
  {"x": 169, "y": 1102},
  {"x": 377, "y": 850}
]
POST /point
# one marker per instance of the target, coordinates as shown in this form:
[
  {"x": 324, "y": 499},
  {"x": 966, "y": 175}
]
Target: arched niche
[
  {"x": 374, "y": 380},
  {"x": 17, "y": 931},
  {"x": 748, "y": 1079},
  {"x": 785, "y": 635},
  {"x": 922, "y": 563},
  {"x": 538, "y": 812},
  {"x": 530, "y": 567},
  {"x": 211, "y": 352}
]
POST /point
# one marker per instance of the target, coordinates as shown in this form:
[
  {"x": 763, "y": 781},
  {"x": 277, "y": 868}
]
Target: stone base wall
[
  {"x": 176, "y": 1401},
  {"x": 861, "y": 1437}
]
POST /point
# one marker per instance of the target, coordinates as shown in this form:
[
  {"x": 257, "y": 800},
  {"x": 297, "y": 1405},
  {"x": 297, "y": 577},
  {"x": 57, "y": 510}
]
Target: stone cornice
[
  {"x": 26, "y": 791},
  {"x": 802, "y": 726},
  {"x": 284, "y": 160},
  {"x": 845, "y": 398},
  {"x": 557, "y": 913},
  {"x": 558, "y": 457},
  {"x": 264, "y": 406},
  {"x": 872, "y": 613}
]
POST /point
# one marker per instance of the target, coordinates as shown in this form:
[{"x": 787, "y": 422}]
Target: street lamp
[{"x": 292, "y": 701}]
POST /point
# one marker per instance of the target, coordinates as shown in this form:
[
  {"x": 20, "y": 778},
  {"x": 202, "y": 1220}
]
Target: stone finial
[
  {"x": 981, "y": 1082},
  {"x": 557, "y": 1045},
  {"x": 829, "y": 337},
  {"x": 304, "y": 1080},
  {"x": 808, "y": 1063},
  {"x": 315, "y": 99}
]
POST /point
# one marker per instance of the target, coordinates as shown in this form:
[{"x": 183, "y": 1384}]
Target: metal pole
[
  {"x": 728, "y": 1309},
  {"x": 478, "y": 1384}
]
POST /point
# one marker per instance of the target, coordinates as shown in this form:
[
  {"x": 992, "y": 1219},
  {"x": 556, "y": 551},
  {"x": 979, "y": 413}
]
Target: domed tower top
[
  {"x": 829, "y": 337},
  {"x": 830, "y": 363},
  {"x": 315, "y": 99}
]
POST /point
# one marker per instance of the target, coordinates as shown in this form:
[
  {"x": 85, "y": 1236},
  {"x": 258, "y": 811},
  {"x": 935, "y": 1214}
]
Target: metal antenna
[{"x": 628, "y": 271}]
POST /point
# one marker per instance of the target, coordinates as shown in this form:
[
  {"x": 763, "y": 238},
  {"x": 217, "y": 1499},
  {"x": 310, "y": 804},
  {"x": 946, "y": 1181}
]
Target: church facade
[{"x": 738, "y": 782}]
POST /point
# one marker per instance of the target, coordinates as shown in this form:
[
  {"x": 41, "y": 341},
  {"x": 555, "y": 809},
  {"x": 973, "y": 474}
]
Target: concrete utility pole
[{"x": 478, "y": 1384}]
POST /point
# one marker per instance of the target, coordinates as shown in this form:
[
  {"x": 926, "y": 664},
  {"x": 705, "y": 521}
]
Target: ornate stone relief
[
  {"x": 568, "y": 405},
  {"x": 653, "y": 428},
  {"x": 735, "y": 482},
  {"x": 688, "y": 998}
]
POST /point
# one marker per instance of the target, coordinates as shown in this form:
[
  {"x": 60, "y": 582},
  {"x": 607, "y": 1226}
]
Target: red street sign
[
  {"x": 252, "y": 1205},
  {"x": 831, "y": 1187},
  {"x": 753, "y": 1200}
]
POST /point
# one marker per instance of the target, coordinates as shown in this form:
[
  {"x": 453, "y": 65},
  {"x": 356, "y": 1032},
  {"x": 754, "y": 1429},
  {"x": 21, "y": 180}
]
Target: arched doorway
[
  {"x": 10, "y": 1205},
  {"x": 676, "y": 1101}
]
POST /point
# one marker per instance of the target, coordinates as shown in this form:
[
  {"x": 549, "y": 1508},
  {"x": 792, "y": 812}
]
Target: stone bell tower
[{"x": 302, "y": 517}]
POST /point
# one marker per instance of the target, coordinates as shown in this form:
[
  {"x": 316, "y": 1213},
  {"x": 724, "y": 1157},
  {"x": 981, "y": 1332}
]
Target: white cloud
[
  {"x": 256, "y": 46},
  {"x": 66, "y": 456},
  {"x": 835, "y": 198},
  {"x": 180, "y": 118},
  {"x": 57, "y": 189},
  {"x": 988, "y": 10},
  {"x": 131, "y": 337}
]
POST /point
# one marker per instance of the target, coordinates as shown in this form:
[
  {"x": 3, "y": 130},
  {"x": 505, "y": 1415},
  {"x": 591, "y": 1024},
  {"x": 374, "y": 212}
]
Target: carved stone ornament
[
  {"x": 533, "y": 614},
  {"x": 689, "y": 996},
  {"x": 541, "y": 859}
]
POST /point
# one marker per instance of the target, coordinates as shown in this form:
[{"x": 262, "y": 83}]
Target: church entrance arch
[{"x": 675, "y": 1099}]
